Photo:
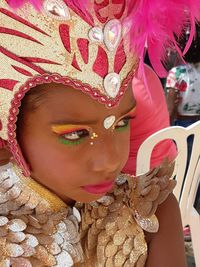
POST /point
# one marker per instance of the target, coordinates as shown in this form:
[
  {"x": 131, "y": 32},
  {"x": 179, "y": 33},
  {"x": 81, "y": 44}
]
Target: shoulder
[{"x": 167, "y": 244}]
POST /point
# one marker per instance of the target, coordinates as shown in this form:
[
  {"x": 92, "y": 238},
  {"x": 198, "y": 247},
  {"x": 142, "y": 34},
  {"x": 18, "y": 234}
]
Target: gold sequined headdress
[{"x": 61, "y": 44}]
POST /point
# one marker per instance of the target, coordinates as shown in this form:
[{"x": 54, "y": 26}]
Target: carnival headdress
[{"x": 89, "y": 49}]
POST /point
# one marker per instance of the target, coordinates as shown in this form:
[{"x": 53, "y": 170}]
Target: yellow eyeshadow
[
  {"x": 67, "y": 128},
  {"x": 132, "y": 110}
]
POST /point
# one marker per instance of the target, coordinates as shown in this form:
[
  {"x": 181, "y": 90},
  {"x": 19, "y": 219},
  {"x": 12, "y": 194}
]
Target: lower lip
[{"x": 99, "y": 189}]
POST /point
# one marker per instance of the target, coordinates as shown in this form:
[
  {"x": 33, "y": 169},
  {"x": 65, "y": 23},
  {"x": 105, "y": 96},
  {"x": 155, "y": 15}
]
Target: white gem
[
  {"x": 112, "y": 34},
  {"x": 57, "y": 9},
  {"x": 108, "y": 122},
  {"x": 112, "y": 84},
  {"x": 96, "y": 34}
]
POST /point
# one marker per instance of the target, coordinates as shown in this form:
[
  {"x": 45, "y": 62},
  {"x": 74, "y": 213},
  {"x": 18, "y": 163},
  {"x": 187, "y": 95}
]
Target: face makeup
[
  {"x": 73, "y": 134},
  {"x": 101, "y": 188}
]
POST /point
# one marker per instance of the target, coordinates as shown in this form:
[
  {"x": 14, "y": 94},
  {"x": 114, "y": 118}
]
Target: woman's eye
[
  {"x": 75, "y": 137},
  {"x": 124, "y": 123}
]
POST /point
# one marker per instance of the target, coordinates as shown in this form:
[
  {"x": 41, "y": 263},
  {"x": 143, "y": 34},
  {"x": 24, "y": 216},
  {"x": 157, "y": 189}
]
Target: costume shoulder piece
[
  {"x": 112, "y": 227},
  {"x": 36, "y": 227}
]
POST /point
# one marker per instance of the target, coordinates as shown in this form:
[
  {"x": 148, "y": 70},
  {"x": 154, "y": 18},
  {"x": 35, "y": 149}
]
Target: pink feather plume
[{"x": 155, "y": 23}]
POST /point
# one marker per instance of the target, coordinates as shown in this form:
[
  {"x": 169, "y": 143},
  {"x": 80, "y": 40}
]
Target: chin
[{"x": 88, "y": 198}]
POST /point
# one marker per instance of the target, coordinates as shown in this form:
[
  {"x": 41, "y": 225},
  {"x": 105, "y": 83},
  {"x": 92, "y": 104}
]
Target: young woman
[{"x": 66, "y": 101}]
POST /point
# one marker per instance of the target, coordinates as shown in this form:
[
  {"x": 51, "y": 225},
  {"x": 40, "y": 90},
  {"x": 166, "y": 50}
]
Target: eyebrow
[{"x": 72, "y": 122}]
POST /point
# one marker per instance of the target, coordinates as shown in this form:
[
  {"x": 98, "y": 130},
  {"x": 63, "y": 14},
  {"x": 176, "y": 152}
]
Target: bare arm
[
  {"x": 172, "y": 99},
  {"x": 166, "y": 248}
]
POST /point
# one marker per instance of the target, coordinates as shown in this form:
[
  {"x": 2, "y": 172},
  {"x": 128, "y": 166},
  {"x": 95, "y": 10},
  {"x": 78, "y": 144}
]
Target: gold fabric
[{"x": 38, "y": 229}]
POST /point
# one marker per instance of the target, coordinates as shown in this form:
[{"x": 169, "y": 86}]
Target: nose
[{"x": 106, "y": 157}]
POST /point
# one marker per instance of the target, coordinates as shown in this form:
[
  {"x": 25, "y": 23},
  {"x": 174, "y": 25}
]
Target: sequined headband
[{"x": 61, "y": 44}]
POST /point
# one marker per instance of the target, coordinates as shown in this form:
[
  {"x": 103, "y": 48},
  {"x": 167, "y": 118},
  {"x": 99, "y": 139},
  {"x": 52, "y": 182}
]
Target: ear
[{"x": 5, "y": 156}]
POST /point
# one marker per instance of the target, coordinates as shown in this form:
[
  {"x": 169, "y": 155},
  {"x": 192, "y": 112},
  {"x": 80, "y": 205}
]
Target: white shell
[
  {"x": 54, "y": 249},
  {"x": 58, "y": 239},
  {"x": 57, "y": 9},
  {"x": 16, "y": 237},
  {"x": 112, "y": 84},
  {"x": 76, "y": 213},
  {"x": 112, "y": 34},
  {"x": 106, "y": 200},
  {"x": 5, "y": 263},
  {"x": 64, "y": 259},
  {"x": 121, "y": 179},
  {"x": 61, "y": 227},
  {"x": 3, "y": 175},
  {"x": 31, "y": 241},
  {"x": 109, "y": 121},
  {"x": 17, "y": 225},
  {"x": 14, "y": 250},
  {"x": 3, "y": 220},
  {"x": 150, "y": 225},
  {"x": 3, "y": 198},
  {"x": 96, "y": 34}
]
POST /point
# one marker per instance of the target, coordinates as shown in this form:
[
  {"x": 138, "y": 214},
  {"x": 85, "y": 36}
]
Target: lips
[{"x": 99, "y": 188}]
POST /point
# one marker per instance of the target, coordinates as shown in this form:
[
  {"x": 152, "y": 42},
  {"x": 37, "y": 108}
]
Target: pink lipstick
[{"x": 99, "y": 188}]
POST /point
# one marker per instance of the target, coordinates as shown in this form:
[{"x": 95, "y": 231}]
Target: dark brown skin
[
  {"x": 166, "y": 248},
  {"x": 5, "y": 156},
  {"x": 64, "y": 169}
]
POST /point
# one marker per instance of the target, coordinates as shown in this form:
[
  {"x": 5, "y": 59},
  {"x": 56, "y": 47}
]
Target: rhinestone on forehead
[
  {"x": 109, "y": 121},
  {"x": 112, "y": 84}
]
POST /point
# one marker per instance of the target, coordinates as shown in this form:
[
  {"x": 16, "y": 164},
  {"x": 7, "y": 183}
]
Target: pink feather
[
  {"x": 153, "y": 22},
  {"x": 156, "y": 23}
]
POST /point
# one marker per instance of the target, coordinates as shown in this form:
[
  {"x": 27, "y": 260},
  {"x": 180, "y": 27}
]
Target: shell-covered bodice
[{"x": 38, "y": 229}]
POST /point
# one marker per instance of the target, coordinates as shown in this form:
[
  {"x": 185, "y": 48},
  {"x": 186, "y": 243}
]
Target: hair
[
  {"x": 34, "y": 98},
  {"x": 31, "y": 101},
  {"x": 193, "y": 54}
]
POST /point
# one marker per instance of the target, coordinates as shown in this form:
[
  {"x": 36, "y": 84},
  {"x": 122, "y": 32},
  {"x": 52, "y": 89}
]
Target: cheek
[
  {"x": 123, "y": 144},
  {"x": 50, "y": 161}
]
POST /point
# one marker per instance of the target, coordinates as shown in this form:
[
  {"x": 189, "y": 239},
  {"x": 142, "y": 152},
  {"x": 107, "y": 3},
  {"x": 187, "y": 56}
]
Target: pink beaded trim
[{"x": 48, "y": 78}]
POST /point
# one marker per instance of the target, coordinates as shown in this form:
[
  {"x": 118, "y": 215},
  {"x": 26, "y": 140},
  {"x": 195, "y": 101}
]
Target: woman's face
[{"x": 67, "y": 146}]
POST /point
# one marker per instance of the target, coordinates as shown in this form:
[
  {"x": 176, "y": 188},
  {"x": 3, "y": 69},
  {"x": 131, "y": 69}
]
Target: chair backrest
[
  {"x": 179, "y": 135},
  {"x": 192, "y": 217}
]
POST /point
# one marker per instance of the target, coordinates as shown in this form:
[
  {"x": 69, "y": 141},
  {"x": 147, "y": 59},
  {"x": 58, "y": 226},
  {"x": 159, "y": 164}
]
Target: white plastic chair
[
  {"x": 187, "y": 186},
  {"x": 192, "y": 217}
]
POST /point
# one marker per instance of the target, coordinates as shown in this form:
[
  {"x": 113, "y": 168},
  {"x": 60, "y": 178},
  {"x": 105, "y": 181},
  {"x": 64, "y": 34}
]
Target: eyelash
[
  {"x": 85, "y": 133},
  {"x": 127, "y": 123}
]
